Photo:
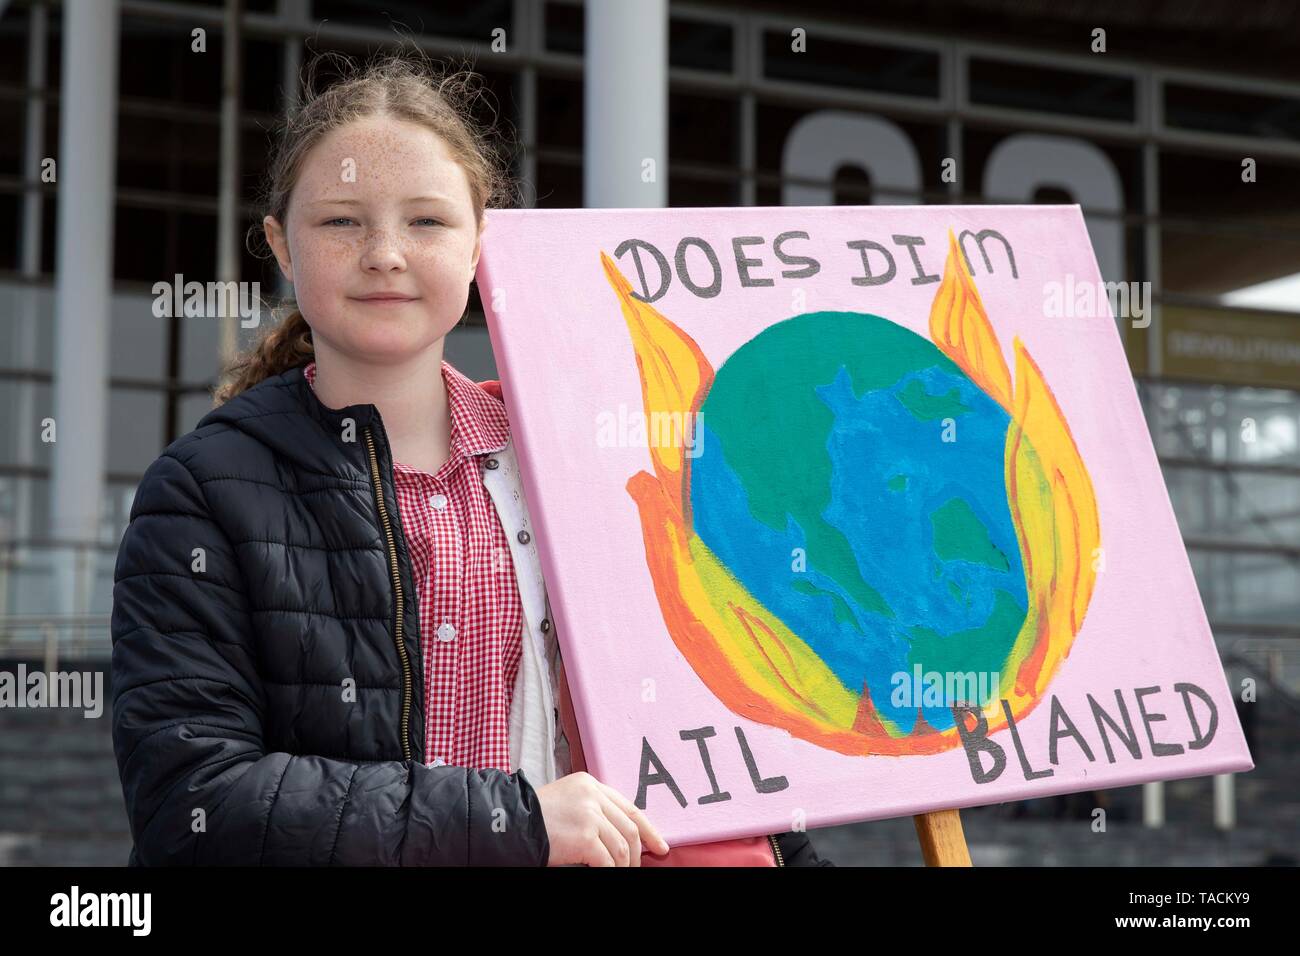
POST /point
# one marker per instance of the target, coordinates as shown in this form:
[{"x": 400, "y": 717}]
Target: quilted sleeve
[{"x": 188, "y": 716}]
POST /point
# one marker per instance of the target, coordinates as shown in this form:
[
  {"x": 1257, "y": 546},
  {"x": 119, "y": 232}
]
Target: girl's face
[{"x": 380, "y": 208}]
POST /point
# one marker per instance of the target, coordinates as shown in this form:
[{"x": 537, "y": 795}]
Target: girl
[{"x": 331, "y": 644}]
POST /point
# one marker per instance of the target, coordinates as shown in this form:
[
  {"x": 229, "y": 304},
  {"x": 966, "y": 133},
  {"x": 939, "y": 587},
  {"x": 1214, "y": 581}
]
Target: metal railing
[{"x": 55, "y": 598}]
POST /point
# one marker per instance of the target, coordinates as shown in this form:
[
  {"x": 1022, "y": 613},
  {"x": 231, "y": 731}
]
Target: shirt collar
[{"x": 478, "y": 420}]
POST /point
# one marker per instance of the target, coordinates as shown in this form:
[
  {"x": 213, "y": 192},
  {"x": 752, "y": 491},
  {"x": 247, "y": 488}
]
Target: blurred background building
[{"x": 160, "y": 149}]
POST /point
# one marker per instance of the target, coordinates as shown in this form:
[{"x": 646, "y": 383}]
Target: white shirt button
[
  {"x": 438, "y": 502},
  {"x": 446, "y": 632}
]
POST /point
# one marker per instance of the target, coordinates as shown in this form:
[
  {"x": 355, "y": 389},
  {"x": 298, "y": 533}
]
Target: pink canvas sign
[{"x": 847, "y": 513}]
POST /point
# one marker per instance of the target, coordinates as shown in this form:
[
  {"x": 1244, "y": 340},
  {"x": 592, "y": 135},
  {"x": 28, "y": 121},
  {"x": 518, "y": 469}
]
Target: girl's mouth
[{"x": 385, "y": 300}]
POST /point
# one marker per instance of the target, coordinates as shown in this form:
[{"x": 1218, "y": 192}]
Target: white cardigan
[{"x": 537, "y": 742}]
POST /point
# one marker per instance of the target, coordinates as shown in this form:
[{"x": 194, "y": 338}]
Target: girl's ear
[
  {"x": 478, "y": 247},
  {"x": 279, "y": 244}
]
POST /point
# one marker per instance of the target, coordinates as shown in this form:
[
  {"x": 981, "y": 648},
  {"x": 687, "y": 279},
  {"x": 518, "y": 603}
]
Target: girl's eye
[{"x": 428, "y": 220}]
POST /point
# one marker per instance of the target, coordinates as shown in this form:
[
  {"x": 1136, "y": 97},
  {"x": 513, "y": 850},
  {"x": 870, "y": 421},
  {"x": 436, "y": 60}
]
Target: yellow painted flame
[
  {"x": 960, "y": 328},
  {"x": 1053, "y": 505},
  {"x": 675, "y": 375}
]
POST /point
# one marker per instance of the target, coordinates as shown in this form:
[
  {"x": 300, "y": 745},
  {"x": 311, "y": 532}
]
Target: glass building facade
[{"x": 1189, "y": 180}]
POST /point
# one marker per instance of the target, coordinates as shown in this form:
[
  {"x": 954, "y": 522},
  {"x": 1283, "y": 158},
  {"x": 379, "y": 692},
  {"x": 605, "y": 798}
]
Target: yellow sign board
[{"x": 1224, "y": 347}]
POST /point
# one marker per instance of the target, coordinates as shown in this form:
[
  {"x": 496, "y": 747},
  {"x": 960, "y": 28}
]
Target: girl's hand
[{"x": 590, "y": 823}]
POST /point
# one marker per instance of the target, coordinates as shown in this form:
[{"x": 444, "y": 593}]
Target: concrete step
[{"x": 69, "y": 849}]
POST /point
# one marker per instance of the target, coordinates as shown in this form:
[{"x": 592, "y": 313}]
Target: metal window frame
[{"x": 527, "y": 56}]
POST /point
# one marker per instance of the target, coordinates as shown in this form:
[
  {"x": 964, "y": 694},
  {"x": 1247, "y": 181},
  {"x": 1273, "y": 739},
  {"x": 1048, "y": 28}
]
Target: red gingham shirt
[{"x": 471, "y": 615}]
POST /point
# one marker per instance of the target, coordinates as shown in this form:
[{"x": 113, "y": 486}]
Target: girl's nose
[{"x": 382, "y": 252}]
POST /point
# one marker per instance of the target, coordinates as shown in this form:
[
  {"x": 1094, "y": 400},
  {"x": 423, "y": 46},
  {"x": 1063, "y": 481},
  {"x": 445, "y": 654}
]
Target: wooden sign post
[{"x": 942, "y": 841}]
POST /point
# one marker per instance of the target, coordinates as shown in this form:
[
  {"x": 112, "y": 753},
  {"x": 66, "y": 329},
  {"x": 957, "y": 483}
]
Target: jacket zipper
[
  {"x": 397, "y": 588},
  {"x": 776, "y": 849}
]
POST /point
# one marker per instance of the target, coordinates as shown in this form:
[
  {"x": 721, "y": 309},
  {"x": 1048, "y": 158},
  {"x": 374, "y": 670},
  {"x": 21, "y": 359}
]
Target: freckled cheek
[
  {"x": 326, "y": 262},
  {"x": 448, "y": 257},
  {"x": 320, "y": 268}
]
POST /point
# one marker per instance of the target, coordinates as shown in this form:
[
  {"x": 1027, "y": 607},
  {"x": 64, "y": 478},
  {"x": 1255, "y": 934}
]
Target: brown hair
[{"x": 407, "y": 86}]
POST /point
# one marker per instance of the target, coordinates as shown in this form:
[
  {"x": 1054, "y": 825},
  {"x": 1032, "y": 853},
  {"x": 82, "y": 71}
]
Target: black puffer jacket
[{"x": 258, "y": 574}]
